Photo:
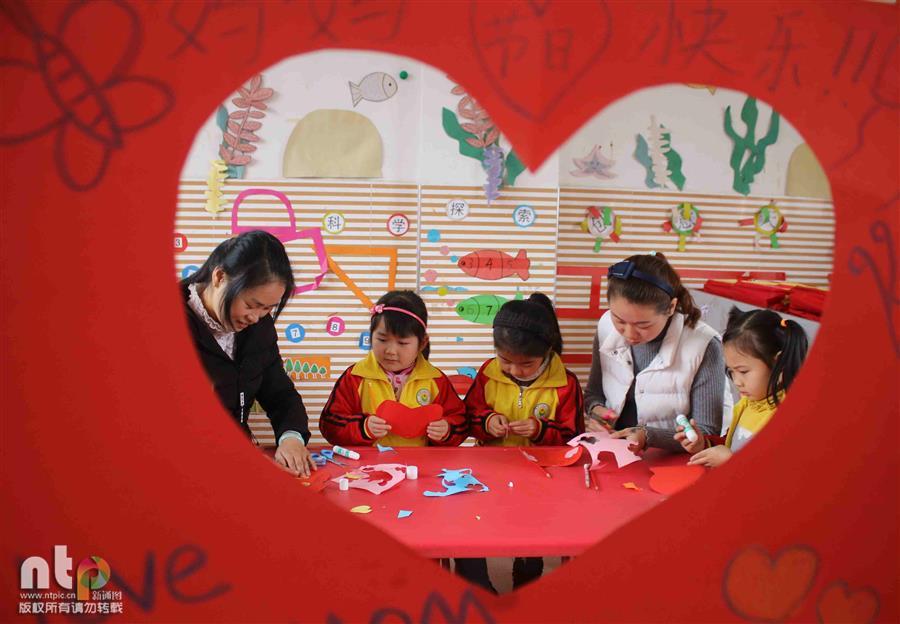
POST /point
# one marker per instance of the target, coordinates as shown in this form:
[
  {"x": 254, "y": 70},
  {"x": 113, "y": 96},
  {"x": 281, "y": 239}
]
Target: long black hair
[
  {"x": 528, "y": 327},
  {"x": 252, "y": 259},
  {"x": 398, "y": 323},
  {"x": 639, "y": 292},
  {"x": 764, "y": 335}
]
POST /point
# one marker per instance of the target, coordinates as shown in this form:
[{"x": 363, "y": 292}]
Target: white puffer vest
[{"x": 663, "y": 389}]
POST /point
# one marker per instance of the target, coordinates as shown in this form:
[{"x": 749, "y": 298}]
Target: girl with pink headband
[{"x": 396, "y": 369}]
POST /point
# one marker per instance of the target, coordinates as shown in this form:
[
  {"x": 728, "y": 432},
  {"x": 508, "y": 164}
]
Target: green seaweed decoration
[
  {"x": 745, "y": 170},
  {"x": 476, "y": 133}
]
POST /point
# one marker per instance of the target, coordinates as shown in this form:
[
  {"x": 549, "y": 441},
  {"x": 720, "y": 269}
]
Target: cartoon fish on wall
[
  {"x": 481, "y": 309},
  {"x": 376, "y": 87},
  {"x": 490, "y": 264}
]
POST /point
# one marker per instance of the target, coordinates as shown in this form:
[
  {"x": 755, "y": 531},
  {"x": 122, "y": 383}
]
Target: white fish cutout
[{"x": 376, "y": 87}]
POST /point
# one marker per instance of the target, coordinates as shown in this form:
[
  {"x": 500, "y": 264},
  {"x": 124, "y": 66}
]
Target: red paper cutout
[
  {"x": 408, "y": 422},
  {"x": 760, "y": 587},
  {"x": 671, "y": 479},
  {"x": 315, "y": 482}
]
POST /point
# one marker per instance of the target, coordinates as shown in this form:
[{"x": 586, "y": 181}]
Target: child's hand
[
  {"x": 601, "y": 419},
  {"x": 527, "y": 428},
  {"x": 636, "y": 435},
  {"x": 711, "y": 457},
  {"x": 378, "y": 427},
  {"x": 691, "y": 447},
  {"x": 437, "y": 430},
  {"x": 497, "y": 425}
]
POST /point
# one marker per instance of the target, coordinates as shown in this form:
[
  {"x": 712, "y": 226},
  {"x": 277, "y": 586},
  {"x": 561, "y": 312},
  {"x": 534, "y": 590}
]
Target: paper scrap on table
[
  {"x": 554, "y": 456},
  {"x": 457, "y": 481},
  {"x": 596, "y": 442},
  {"x": 316, "y": 482},
  {"x": 671, "y": 479},
  {"x": 404, "y": 513},
  {"x": 376, "y": 478},
  {"x": 361, "y": 509},
  {"x": 408, "y": 422},
  {"x": 384, "y": 449},
  {"x": 631, "y": 486}
]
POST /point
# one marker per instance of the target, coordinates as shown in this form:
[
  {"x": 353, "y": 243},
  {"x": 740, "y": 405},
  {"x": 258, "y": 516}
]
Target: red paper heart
[
  {"x": 839, "y": 604},
  {"x": 671, "y": 479},
  {"x": 408, "y": 422},
  {"x": 760, "y": 587}
]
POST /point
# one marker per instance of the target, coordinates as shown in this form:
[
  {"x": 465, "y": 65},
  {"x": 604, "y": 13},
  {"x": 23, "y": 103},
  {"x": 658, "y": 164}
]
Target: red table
[{"x": 535, "y": 517}]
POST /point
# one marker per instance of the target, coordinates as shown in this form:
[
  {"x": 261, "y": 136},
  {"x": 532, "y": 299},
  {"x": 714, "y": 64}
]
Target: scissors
[{"x": 324, "y": 456}]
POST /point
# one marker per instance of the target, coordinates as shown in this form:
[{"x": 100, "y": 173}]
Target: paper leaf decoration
[
  {"x": 238, "y": 136},
  {"x": 408, "y": 422},
  {"x": 662, "y": 162},
  {"x": 218, "y": 171},
  {"x": 748, "y": 156}
]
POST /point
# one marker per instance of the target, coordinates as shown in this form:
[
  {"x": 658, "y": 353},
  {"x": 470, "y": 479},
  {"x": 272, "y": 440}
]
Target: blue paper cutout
[
  {"x": 468, "y": 371},
  {"x": 457, "y": 481},
  {"x": 384, "y": 449},
  {"x": 404, "y": 513}
]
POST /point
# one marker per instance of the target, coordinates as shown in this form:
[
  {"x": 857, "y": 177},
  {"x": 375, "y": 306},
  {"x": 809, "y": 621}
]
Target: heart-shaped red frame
[{"x": 107, "y": 436}]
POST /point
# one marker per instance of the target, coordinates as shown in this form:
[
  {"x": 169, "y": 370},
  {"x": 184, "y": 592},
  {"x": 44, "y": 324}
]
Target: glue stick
[
  {"x": 412, "y": 472},
  {"x": 339, "y": 450},
  {"x": 689, "y": 432},
  {"x": 344, "y": 484}
]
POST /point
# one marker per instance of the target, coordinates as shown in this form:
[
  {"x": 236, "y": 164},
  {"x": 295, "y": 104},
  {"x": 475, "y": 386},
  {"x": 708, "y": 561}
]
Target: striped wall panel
[{"x": 562, "y": 260}]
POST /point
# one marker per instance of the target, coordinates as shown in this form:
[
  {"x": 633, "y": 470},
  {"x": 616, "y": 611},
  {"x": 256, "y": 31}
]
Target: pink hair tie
[{"x": 379, "y": 308}]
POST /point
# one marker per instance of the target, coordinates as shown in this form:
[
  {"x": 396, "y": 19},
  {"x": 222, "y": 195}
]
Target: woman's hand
[
  {"x": 711, "y": 457},
  {"x": 378, "y": 427},
  {"x": 497, "y": 425},
  {"x": 295, "y": 457},
  {"x": 636, "y": 435},
  {"x": 604, "y": 417},
  {"x": 437, "y": 430},
  {"x": 527, "y": 428},
  {"x": 691, "y": 447}
]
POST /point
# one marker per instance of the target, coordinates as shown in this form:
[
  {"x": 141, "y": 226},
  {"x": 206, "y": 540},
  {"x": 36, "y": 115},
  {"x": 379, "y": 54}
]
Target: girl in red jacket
[
  {"x": 396, "y": 369},
  {"x": 524, "y": 396}
]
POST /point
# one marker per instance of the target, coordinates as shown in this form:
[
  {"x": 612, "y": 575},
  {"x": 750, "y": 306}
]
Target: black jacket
[{"x": 257, "y": 372}]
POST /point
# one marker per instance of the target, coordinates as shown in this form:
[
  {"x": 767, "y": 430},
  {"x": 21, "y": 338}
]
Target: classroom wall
[{"x": 423, "y": 171}]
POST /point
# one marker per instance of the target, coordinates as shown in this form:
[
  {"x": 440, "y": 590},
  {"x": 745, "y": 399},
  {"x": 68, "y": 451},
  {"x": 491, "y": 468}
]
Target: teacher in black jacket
[{"x": 231, "y": 303}]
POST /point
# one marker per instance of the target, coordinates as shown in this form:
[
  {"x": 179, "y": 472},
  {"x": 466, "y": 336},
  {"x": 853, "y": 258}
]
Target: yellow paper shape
[
  {"x": 631, "y": 486},
  {"x": 361, "y": 509},
  {"x": 805, "y": 176},
  {"x": 333, "y": 144}
]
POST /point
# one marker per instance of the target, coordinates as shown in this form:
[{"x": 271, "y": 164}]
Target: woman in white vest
[{"x": 653, "y": 358}]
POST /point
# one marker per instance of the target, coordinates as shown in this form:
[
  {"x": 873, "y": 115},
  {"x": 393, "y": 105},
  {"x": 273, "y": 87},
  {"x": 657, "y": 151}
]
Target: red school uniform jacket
[
  {"x": 554, "y": 399},
  {"x": 363, "y": 387}
]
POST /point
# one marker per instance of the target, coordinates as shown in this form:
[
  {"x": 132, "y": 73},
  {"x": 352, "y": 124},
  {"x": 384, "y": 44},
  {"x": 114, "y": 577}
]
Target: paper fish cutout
[
  {"x": 490, "y": 264},
  {"x": 671, "y": 479},
  {"x": 554, "y": 456},
  {"x": 376, "y": 478},
  {"x": 375, "y": 87},
  {"x": 457, "y": 481},
  {"x": 597, "y": 442},
  {"x": 481, "y": 309},
  {"x": 408, "y": 422}
]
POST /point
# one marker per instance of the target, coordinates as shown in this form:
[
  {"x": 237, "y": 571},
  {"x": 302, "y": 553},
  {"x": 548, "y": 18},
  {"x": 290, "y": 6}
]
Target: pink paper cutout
[
  {"x": 284, "y": 234},
  {"x": 554, "y": 456},
  {"x": 376, "y": 478},
  {"x": 597, "y": 442},
  {"x": 408, "y": 422}
]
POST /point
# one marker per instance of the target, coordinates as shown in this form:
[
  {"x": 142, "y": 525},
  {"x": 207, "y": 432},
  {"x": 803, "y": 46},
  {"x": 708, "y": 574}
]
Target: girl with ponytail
[
  {"x": 763, "y": 353},
  {"x": 653, "y": 359}
]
